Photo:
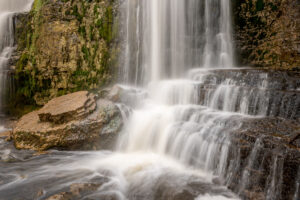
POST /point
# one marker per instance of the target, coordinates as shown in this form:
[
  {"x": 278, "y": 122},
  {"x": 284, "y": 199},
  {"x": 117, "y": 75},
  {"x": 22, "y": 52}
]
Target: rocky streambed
[{"x": 73, "y": 147}]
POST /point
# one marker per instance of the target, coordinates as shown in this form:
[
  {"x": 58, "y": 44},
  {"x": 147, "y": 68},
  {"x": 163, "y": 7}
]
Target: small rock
[
  {"x": 76, "y": 191},
  {"x": 115, "y": 93},
  {"x": 6, "y": 135},
  {"x": 126, "y": 95},
  {"x": 61, "y": 196}
]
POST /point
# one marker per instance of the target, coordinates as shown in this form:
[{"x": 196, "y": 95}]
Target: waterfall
[
  {"x": 181, "y": 54},
  {"x": 166, "y": 38},
  {"x": 165, "y": 41},
  {"x": 7, "y": 45},
  {"x": 195, "y": 126}
]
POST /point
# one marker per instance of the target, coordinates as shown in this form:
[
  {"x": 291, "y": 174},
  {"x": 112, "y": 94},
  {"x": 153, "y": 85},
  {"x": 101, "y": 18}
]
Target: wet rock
[
  {"x": 9, "y": 154},
  {"x": 259, "y": 91},
  {"x": 254, "y": 195},
  {"x": 169, "y": 186},
  {"x": 265, "y": 156},
  {"x": 61, "y": 196},
  {"x": 126, "y": 95},
  {"x": 74, "y": 121},
  {"x": 76, "y": 191},
  {"x": 190, "y": 191},
  {"x": 115, "y": 93},
  {"x": 5, "y": 135}
]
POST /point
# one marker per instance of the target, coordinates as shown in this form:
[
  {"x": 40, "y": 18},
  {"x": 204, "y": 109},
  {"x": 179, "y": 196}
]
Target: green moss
[
  {"x": 26, "y": 82},
  {"x": 96, "y": 9},
  {"x": 106, "y": 25},
  {"x": 95, "y": 62},
  {"x": 92, "y": 36},
  {"x": 262, "y": 36},
  {"x": 273, "y": 6},
  {"x": 260, "y": 5},
  {"x": 82, "y": 31},
  {"x": 37, "y": 5},
  {"x": 85, "y": 52},
  {"x": 76, "y": 13}
]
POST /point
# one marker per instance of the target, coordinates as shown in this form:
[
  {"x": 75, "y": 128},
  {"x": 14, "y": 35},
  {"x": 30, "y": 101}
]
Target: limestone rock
[
  {"x": 262, "y": 146},
  {"x": 63, "y": 47},
  {"x": 90, "y": 127},
  {"x": 267, "y": 33},
  {"x": 68, "y": 107}
]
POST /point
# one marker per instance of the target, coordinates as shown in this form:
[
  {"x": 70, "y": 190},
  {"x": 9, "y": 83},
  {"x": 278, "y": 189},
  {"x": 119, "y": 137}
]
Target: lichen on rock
[
  {"x": 267, "y": 33},
  {"x": 65, "y": 46}
]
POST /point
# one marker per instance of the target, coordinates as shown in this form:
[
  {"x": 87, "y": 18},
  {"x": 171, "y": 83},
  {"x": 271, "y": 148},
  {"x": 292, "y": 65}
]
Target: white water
[
  {"x": 166, "y": 38},
  {"x": 178, "y": 132},
  {"x": 7, "y": 10},
  {"x": 172, "y": 50},
  {"x": 166, "y": 141}
]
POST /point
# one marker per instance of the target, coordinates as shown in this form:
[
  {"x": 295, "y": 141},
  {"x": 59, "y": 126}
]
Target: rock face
[
  {"x": 74, "y": 121},
  {"x": 65, "y": 46},
  {"x": 264, "y": 150},
  {"x": 264, "y": 157},
  {"x": 267, "y": 33}
]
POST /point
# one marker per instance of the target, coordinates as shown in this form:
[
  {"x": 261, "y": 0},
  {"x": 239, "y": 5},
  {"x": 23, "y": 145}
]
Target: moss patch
[{"x": 65, "y": 47}]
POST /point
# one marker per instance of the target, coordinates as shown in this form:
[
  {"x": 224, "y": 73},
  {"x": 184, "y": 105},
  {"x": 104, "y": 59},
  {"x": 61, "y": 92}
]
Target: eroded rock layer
[{"x": 267, "y": 33}]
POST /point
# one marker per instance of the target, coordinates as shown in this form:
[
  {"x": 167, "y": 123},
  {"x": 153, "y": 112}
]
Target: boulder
[{"x": 73, "y": 121}]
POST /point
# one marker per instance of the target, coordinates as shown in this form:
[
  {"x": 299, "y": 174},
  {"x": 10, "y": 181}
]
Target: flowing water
[
  {"x": 166, "y": 38},
  {"x": 179, "y": 58},
  {"x": 8, "y": 9}
]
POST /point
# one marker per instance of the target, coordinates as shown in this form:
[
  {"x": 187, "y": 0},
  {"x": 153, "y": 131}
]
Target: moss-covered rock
[
  {"x": 267, "y": 33},
  {"x": 65, "y": 46}
]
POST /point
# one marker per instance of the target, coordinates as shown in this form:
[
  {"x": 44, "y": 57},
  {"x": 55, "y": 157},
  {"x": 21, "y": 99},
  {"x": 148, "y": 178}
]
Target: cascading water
[
  {"x": 8, "y": 9},
  {"x": 166, "y": 38},
  {"x": 186, "y": 103},
  {"x": 172, "y": 50}
]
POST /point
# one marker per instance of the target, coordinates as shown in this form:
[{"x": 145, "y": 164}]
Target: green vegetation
[
  {"x": 259, "y": 5},
  {"x": 95, "y": 36},
  {"x": 26, "y": 69}
]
